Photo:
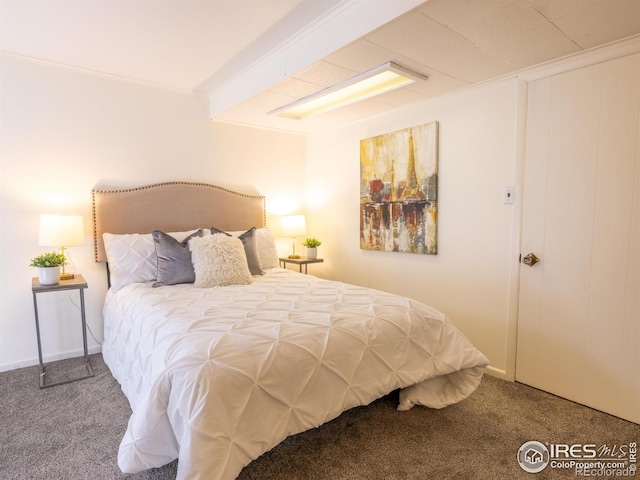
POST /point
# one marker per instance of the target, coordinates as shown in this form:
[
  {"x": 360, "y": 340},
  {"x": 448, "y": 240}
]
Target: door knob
[{"x": 530, "y": 259}]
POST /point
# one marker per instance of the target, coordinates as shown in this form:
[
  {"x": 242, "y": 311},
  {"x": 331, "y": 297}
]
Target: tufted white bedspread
[{"x": 216, "y": 377}]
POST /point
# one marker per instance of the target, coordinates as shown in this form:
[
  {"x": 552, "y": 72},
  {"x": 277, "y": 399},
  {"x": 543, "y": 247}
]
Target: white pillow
[
  {"x": 266, "y": 246},
  {"x": 132, "y": 257},
  {"x": 219, "y": 260}
]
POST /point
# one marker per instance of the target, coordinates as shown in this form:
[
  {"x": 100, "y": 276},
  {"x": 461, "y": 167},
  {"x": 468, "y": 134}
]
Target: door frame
[{"x": 580, "y": 60}]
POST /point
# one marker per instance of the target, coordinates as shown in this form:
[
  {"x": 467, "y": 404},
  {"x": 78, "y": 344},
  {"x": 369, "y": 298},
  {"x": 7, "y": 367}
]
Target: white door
[{"x": 579, "y": 317}]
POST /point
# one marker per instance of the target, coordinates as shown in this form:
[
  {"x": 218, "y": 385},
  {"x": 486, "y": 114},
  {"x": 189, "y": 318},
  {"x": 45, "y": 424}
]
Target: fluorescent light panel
[{"x": 376, "y": 81}]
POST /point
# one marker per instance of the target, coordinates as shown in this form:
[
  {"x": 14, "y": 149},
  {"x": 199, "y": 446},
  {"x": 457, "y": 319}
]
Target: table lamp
[
  {"x": 61, "y": 231},
  {"x": 293, "y": 226}
]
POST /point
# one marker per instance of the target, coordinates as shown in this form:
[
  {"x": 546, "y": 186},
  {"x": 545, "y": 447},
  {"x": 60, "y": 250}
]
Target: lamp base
[
  {"x": 66, "y": 276},
  {"x": 294, "y": 256}
]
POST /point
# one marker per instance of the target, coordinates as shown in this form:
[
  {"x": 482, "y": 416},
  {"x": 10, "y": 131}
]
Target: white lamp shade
[
  {"x": 293, "y": 225},
  {"x": 61, "y": 230}
]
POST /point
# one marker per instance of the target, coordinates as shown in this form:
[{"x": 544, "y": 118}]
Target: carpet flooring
[{"x": 72, "y": 431}]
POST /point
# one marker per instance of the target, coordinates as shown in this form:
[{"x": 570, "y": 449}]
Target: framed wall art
[{"x": 399, "y": 191}]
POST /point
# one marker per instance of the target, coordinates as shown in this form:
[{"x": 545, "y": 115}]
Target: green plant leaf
[
  {"x": 49, "y": 259},
  {"x": 312, "y": 242}
]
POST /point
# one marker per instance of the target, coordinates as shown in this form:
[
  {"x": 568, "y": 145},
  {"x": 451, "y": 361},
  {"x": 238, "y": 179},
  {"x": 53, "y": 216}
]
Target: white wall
[
  {"x": 471, "y": 278},
  {"x": 64, "y": 132}
]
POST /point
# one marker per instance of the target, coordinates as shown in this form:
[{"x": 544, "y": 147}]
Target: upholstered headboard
[{"x": 172, "y": 207}]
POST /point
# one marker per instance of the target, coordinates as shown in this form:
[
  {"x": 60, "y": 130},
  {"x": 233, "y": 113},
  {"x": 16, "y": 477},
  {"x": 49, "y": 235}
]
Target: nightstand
[
  {"x": 302, "y": 261},
  {"x": 77, "y": 283}
]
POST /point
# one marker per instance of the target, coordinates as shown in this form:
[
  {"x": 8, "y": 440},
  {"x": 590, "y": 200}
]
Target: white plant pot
[
  {"x": 49, "y": 275},
  {"x": 311, "y": 253}
]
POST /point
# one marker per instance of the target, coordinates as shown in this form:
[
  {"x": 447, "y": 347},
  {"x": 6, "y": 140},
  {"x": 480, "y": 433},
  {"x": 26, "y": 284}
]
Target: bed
[{"x": 220, "y": 370}]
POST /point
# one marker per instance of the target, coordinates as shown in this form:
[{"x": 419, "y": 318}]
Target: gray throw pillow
[
  {"x": 174, "y": 259},
  {"x": 250, "y": 244}
]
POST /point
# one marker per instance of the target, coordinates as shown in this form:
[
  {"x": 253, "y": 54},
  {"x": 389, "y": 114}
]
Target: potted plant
[
  {"x": 311, "y": 248},
  {"x": 48, "y": 265}
]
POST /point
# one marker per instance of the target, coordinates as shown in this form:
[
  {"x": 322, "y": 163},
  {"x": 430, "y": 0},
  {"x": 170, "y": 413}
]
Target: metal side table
[
  {"x": 76, "y": 283},
  {"x": 301, "y": 262}
]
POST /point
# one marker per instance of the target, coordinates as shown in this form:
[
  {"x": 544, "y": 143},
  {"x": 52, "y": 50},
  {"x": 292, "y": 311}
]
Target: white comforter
[{"x": 216, "y": 377}]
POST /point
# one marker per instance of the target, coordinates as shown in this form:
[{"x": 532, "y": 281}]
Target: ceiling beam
[{"x": 345, "y": 23}]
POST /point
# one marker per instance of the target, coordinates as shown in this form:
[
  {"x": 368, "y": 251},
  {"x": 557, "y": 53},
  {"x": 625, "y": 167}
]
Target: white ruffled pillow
[
  {"x": 131, "y": 258},
  {"x": 219, "y": 260}
]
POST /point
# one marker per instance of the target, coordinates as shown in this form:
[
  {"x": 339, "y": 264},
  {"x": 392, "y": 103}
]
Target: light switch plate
[{"x": 508, "y": 195}]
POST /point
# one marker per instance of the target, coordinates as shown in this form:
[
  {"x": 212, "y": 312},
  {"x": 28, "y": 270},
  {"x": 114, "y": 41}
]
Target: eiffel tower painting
[
  {"x": 412, "y": 191},
  {"x": 399, "y": 190}
]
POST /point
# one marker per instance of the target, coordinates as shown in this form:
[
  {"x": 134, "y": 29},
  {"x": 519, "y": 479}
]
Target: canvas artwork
[{"x": 399, "y": 190}]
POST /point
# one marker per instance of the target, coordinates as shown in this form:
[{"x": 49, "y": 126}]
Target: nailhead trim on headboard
[{"x": 144, "y": 209}]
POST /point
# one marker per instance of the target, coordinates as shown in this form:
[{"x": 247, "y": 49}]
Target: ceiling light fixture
[{"x": 376, "y": 81}]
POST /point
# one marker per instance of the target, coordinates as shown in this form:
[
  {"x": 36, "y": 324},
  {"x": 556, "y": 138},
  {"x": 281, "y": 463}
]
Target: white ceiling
[{"x": 251, "y": 56}]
